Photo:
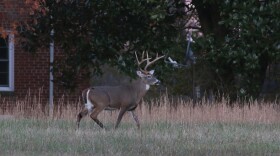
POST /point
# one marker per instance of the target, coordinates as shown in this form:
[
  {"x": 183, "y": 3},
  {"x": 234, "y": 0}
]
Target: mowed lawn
[
  {"x": 60, "y": 137},
  {"x": 203, "y": 130}
]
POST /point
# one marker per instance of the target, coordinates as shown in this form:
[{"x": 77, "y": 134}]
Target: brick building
[{"x": 21, "y": 73}]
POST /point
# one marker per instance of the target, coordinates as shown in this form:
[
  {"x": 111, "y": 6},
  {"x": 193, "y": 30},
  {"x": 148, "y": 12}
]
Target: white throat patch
[{"x": 147, "y": 87}]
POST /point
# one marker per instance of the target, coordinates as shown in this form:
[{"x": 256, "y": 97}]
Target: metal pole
[
  {"x": 51, "y": 73},
  {"x": 189, "y": 56}
]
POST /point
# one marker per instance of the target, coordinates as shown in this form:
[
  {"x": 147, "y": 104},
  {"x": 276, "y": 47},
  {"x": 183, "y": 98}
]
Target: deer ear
[
  {"x": 139, "y": 73},
  {"x": 152, "y": 72}
]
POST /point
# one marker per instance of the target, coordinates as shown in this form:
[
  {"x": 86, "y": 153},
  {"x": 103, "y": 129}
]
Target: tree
[
  {"x": 92, "y": 33},
  {"x": 10, "y": 16},
  {"x": 240, "y": 41}
]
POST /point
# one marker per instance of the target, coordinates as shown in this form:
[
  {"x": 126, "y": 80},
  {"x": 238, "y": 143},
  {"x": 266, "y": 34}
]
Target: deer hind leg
[
  {"x": 83, "y": 113},
  {"x": 122, "y": 111},
  {"x": 94, "y": 115},
  {"x": 135, "y": 119}
]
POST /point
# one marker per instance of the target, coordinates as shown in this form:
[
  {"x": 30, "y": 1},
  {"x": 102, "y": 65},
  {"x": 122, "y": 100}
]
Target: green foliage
[
  {"x": 92, "y": 33},
  {"x": 251, "y": 43}
]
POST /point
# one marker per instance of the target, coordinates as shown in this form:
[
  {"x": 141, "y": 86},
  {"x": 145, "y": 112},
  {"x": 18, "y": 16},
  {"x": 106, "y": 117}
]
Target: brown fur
[{"x": 124, "y": 97}]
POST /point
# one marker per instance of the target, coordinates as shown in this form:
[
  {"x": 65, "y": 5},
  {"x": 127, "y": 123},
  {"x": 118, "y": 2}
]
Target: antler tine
[
  {"x": 149, "y": 63},
  {"x": 136, "y": 57},
  {"x": 142, "y": 59}
]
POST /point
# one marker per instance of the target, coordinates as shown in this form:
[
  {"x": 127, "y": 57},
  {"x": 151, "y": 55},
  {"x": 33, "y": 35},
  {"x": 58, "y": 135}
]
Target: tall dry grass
[{"x": 160, "y": 109}]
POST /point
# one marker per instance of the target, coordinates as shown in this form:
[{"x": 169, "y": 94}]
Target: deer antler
[
  {"x": 142, "y": 59},
  {"x": 140, "y": 62},
  {"x": 148, "y": 61}
]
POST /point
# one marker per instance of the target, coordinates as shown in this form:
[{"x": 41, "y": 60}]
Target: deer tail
[{"x": 88, "y": 104}]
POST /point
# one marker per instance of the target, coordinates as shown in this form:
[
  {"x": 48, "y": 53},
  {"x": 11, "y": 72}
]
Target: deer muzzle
[{"x": 157, "y": 82}]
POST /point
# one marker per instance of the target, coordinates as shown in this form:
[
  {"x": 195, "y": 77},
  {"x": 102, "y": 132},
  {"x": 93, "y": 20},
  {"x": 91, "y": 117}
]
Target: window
[{"x": 7, "y": 63}]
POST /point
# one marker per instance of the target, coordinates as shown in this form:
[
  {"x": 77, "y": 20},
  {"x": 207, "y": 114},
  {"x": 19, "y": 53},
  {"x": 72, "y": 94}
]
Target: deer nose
[{"x": 157, "y": 82}]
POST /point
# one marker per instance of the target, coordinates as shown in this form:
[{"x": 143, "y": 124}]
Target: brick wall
[{"x": 31, "y": 70}]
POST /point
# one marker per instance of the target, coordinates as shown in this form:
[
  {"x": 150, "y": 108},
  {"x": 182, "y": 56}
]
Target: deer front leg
[
  {"x": 94, "y": 115},
  {"x": 122, "y": 111},
  {"x": 135, "y": 119}
]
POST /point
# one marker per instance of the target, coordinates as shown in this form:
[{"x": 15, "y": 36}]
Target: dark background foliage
[{"x": 240, "y": 40}]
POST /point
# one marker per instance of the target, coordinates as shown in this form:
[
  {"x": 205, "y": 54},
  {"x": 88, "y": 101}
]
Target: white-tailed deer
[{"x": 124, "y": 97}]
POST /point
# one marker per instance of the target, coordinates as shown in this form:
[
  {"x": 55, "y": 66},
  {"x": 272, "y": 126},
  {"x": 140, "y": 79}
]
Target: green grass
[{"x": 25, "y": 136}]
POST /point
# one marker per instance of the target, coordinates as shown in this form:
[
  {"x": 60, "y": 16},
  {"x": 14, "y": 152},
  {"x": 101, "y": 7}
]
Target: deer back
[{"x": 118, "y": 96}]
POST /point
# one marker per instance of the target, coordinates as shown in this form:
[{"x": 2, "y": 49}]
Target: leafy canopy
[{"x": 92, "y": 33}]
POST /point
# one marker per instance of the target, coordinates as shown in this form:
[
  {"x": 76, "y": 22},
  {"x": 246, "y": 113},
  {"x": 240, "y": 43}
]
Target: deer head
[{"x": 146, "y": 75}]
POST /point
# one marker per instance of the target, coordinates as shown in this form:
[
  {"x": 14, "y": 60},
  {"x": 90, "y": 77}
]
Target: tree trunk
[{"x": 209, "y": 17}]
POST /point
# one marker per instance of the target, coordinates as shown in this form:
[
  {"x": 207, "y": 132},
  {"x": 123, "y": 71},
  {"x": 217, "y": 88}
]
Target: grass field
[{"x": 214, "y": 129}]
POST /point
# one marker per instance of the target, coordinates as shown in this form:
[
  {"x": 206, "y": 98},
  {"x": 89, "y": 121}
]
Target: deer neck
[{"x": 140, "y": 87}]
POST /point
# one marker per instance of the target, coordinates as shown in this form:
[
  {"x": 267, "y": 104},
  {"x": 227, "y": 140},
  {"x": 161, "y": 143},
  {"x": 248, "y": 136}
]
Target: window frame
[{"x": 10, "y": 87}]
